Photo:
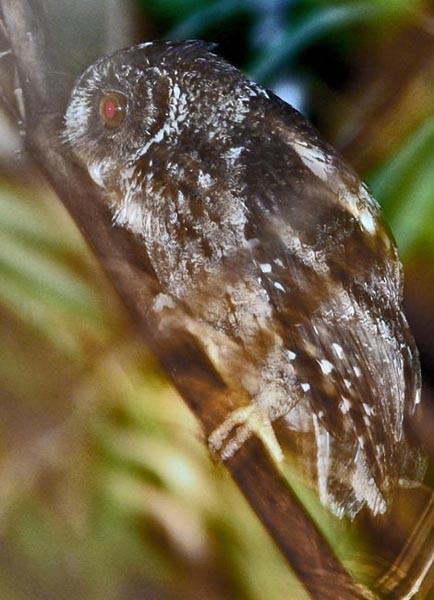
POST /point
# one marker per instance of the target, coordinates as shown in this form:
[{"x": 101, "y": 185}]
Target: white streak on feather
[
  {"x": 166, "y": 129},
  {"x": 234, "y": 153},
  {"x": 364, "y": 486},
  {"x": 323, "y": 458},
  {"x": 367, "y": 221},
  {"x": 314, "y": 159},
  {"x": 369, "y": 410},
  {"x": 338, "y": 350}
]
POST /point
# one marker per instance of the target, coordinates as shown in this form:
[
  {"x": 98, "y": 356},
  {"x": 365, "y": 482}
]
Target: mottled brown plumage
[{"x": 275, "y": 253}]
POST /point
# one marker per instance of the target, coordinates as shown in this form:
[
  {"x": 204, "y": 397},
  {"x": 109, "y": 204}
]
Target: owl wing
[{"x": 333, "y": 277}]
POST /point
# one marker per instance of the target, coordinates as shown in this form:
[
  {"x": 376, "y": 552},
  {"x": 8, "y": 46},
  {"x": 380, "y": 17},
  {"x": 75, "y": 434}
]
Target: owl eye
[{"x": 113, "y": 108}]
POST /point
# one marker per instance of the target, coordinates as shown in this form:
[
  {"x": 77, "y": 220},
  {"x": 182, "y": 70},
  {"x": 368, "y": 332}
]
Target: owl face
[
  {"x": 124, "y": 103},
  {"x": 117, "y": 106}
]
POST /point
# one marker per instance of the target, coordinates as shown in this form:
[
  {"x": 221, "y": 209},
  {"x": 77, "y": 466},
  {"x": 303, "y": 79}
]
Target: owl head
[{"x": 150, "y": 94}]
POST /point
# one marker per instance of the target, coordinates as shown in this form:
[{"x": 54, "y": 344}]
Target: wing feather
[{"x": 335, "y": 286}]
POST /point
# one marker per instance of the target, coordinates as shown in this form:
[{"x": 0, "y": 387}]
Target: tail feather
[{"x": 407, "y": 543}]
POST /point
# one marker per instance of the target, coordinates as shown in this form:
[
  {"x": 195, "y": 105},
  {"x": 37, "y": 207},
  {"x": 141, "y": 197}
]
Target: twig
[{"x": 188, "y": 366}]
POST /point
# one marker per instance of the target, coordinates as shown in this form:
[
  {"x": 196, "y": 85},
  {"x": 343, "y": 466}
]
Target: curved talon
[{"x": 246, "y": 421}]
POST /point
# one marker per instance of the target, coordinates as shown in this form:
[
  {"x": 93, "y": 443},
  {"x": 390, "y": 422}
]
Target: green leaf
[
  {"x": 314, "y": 26},
  {"x": 46, "y": 279},
  {"x": 404, "y": 185},
  {"x": 171, "y": 10},
  {"x": 36, "y": 223},
  {"x": 208, "y": 16}
]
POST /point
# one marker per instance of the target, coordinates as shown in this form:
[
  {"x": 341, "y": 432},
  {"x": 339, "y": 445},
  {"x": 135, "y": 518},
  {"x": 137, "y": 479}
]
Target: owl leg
[{"x": 246, "y": 421}]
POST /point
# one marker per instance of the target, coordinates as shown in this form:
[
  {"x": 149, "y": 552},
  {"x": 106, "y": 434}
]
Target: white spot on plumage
[
  {"x": 163, "y": 301},
  {"x": 265, "y": 267},
  {"x": 345, "y": 405},
  {"x": 234, "y": 153},
  {"x": 291, "y": 355},
  {"x": 204, "y": 179},
  {"x": 369, "y": 410},
  {"x": 176, "y": 91},
  {"x": 326, "y": 366},
  {"x": 279, "y": 286},
  {"x": 305, "y": 387}
]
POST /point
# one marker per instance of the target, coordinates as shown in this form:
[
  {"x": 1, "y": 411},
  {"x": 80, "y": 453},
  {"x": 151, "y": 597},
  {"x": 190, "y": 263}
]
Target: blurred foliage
[
  {"x": 105, "y": 482},
  {"x": 107, "y": 490},
  {"x": 405, "y": 187}
]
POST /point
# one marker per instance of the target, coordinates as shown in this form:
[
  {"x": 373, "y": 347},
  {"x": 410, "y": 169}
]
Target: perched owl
[{"x": 272, "y": 249}]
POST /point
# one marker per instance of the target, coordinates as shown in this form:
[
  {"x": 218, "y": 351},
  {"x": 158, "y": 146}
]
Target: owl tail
[
  {"x": 404, "y": 542},
  {"x": 401, "y": 532}
]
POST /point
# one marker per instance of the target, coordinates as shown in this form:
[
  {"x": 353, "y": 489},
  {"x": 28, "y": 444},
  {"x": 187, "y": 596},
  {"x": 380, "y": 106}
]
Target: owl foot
[{"x": 246, "y": 421}]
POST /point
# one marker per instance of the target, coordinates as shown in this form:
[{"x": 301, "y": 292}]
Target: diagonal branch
[{"x": 183, "y": 359}]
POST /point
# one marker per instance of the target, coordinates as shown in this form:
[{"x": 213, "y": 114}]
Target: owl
[{"x": 273, "y": 253}]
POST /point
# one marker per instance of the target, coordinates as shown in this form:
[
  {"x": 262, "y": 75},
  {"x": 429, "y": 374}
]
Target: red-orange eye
[{"x": 113, "y": 108}]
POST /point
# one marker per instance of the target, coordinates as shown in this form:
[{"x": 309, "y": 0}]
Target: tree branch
[{"x": 186, "y": 363}]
